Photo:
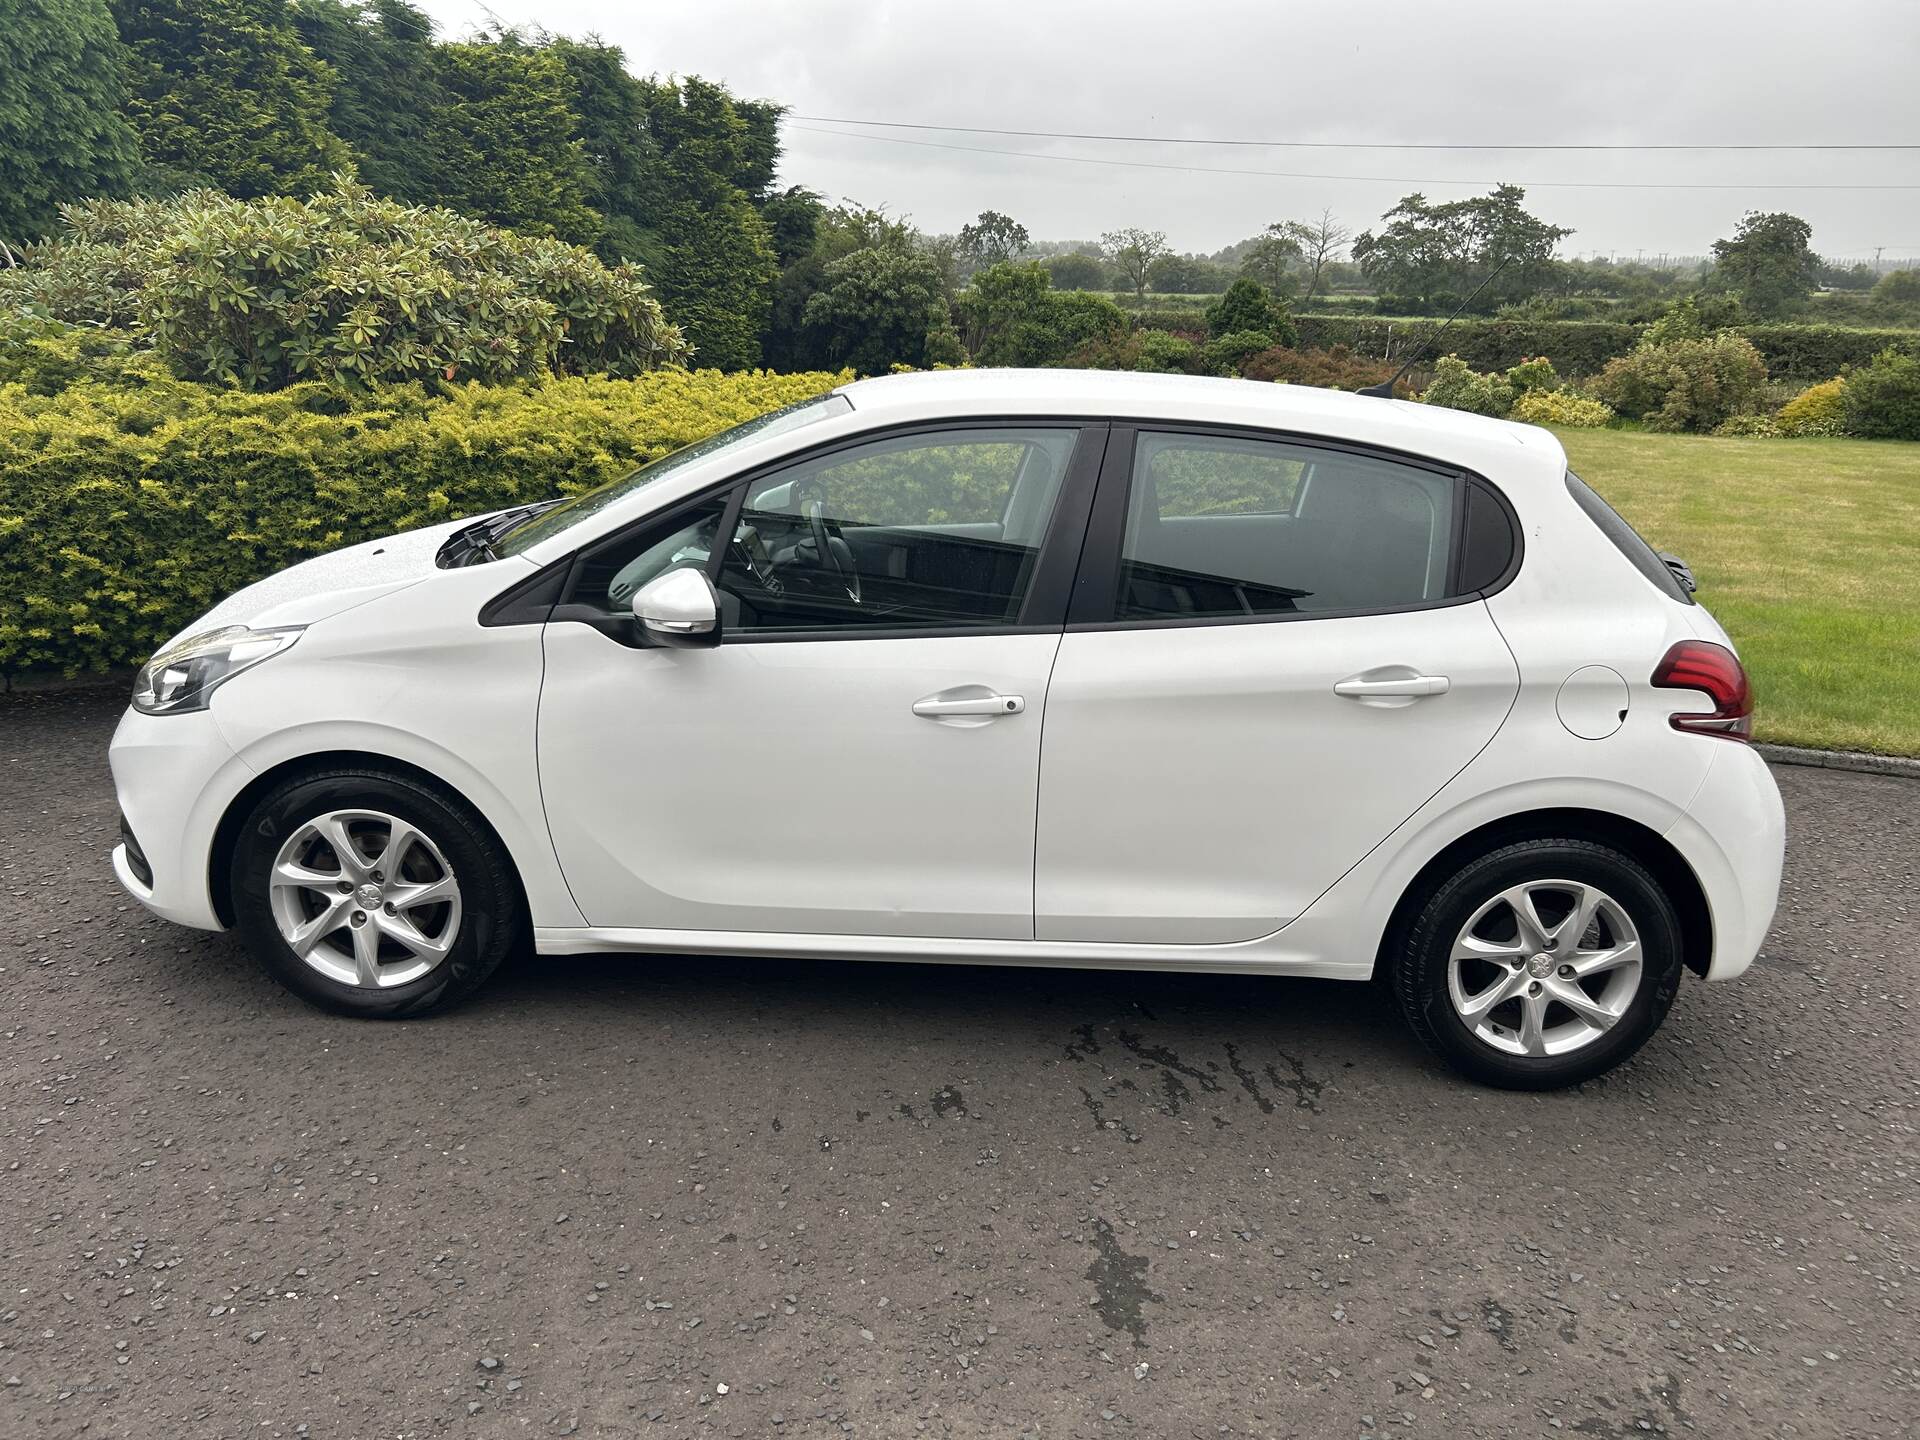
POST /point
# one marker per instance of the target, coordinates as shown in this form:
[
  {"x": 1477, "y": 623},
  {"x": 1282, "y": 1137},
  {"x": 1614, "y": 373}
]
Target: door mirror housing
[{"x": 678, "y": 609}]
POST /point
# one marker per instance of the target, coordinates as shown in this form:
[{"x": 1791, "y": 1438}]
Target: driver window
[{"x": 932, "y": 530}]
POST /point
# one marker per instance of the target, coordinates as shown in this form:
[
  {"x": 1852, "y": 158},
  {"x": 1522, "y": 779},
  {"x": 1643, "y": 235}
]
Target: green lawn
[{"x": 1808, "y": 551}]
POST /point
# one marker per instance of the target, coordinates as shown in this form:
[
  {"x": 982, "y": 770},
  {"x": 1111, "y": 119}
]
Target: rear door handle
[
  {"x": 934, "y": 708},
  {"x": 1408, "y": 685}
]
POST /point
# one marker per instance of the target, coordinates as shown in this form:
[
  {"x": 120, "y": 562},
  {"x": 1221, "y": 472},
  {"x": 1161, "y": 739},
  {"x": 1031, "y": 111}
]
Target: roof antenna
[{"x": 1384, "y": 390}]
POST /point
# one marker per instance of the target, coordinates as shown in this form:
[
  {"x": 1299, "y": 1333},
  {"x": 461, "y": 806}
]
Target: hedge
[
  {"x": 1803, "y": 353},
  {"x": 1576, "y": 347},
  {"x": 129, "y": 507}
]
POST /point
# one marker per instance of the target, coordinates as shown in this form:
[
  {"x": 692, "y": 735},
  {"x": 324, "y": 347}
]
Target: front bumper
[{"x": 174, "y": 776}]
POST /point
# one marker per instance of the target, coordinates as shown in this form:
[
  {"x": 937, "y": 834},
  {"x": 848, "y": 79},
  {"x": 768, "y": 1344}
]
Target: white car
[{"x": 1001, "y": 667}]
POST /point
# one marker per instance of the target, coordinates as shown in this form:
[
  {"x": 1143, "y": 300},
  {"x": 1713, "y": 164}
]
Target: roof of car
[{"x": 1473, "y": 441}]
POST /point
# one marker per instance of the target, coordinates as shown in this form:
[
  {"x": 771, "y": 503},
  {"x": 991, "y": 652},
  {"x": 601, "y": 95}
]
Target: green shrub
[
  {"x": 1685, "y": 385},
  {"x": 1883, "y": 398},
  {"x": 1335, "y": 369},
  {"x": 1694, "y": 317},
  {"x": 342, "y": 287},
  {"x": 1248, "y": 308},
  {"x": 1536, "y": 373},
  {"x": 1753, "y": 427},
  {"x": 1227, "y": 354},
  {"x": 126, "y": 509},
  {"x": 1458, "y": 387},
  {"x": 1012, "y": 315},
  {"x": 1817, "y": 410},
  {"x": 1561, "y": 407},
  {"x": 1153, "y": 350}
]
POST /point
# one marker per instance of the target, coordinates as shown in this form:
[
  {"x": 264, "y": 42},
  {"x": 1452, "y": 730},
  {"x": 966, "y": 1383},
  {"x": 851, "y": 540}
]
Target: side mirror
[{"x": 678, "y": 609}]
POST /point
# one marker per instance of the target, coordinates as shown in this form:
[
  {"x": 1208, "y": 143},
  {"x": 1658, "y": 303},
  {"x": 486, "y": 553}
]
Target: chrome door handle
[
  {"x": 1410, "y": 685},
  {"x": 935, "y": 708}
]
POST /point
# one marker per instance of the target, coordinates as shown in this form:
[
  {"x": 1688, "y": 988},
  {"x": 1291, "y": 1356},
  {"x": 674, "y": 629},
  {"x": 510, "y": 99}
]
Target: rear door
[{"x": 1275, "y": 655}]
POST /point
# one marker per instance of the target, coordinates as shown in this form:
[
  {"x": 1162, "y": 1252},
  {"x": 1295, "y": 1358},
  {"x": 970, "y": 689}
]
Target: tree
[
  {"x": 1187, "y": 275},
  {"x": 609, "y": 107},
  {"x": 222, "y": 92},
  {"x": 878, "y": 308},
  {"x": 1012, "y": 315},
  {"x": 1769, "y": 263},
  {"x": 384, "y": 91},
  {"x": 1132, "y": 252},
  {"x": 62, "y": 136},
  {"x": 1076, "y": 271},
  {"x": 504, "y": 140},
  {"x": 1247, "y": 309},
  {"x": 1319, "y": 243},
  {"x": 1270, "y": 258},
  {"x": 788, "y": 342},
  {"x": 1436, "y": 254},
  {"x": 992, "y": 239},
  {"x": 716, "y": 266}
]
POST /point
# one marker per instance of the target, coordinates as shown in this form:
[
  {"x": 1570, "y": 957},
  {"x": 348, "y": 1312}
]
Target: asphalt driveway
[{"x": 618, "y": 1196}]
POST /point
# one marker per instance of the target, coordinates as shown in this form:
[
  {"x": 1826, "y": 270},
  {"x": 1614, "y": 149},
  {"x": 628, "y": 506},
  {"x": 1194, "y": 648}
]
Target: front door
[
  {"x": 859, "y": 755},
  {"x": 1271, "y": 670}
]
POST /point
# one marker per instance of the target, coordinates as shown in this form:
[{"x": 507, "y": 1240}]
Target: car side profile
[{"x": 1008, "y": 667}]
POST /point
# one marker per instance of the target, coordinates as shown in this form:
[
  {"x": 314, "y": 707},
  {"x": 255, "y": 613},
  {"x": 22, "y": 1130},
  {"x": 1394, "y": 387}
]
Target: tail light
[{"x": 1717, "y": 673}]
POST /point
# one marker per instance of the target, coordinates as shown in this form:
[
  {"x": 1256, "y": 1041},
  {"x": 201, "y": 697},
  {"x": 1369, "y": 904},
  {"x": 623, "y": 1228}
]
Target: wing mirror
[{"x": 678, "y": 609}]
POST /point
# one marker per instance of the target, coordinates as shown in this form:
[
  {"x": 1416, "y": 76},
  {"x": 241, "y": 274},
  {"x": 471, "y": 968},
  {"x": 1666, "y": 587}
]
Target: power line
[
  {"x": 1372, "y": 179},
  {"x": 1327, "y": 144}
]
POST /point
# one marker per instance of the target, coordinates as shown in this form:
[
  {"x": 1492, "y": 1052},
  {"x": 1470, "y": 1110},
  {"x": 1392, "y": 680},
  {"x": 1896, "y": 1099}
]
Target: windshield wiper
[{"x": 475, "y": 540}]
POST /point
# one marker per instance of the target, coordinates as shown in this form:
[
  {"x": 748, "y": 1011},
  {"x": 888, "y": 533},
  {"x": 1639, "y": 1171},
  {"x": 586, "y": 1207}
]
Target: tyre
[
  {"x": 373, "y": 893},
  {"x": 1541, "y": 964}
]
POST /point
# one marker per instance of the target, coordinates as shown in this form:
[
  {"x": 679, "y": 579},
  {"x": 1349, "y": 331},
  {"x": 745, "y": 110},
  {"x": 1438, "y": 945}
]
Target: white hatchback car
[{"x": 1009, "y": 667}]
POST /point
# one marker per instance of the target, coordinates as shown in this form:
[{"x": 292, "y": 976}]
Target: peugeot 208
[{"x": 1002, "y": 667}]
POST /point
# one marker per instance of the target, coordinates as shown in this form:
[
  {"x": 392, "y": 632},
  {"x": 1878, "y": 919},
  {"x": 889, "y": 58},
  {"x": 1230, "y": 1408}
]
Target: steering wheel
[{"x": 823, "y": 537}]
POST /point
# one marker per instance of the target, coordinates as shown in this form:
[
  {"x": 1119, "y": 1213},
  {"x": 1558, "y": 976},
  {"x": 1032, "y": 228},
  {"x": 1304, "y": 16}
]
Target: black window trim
[
  {"x": 1096, "y": 591},
  {"x": 1048, "y": 590}
]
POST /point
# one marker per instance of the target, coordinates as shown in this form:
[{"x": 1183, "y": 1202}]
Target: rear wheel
[
  {"x": 1542, "y": 964},
  {"x": 372, "y": 893}
]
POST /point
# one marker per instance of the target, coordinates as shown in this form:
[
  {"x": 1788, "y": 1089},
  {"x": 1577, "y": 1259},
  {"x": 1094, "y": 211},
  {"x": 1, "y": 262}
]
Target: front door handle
[
  {"x": 1406, "y": 685},
  {"x": 934, "y": 708}
]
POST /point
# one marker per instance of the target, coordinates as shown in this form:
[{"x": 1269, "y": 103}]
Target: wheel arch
[
  {"x": 1648, "y": 846},
  {"x": 226, "y": 833}
]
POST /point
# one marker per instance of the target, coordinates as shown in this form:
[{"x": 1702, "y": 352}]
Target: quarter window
[{"x": 1222, "y": 526}]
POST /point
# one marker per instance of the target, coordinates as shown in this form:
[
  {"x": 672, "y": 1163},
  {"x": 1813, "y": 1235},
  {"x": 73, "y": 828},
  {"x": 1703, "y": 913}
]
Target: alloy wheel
[
  {"x": 1544, "y": 968},
  {"x": 365, "y": 898}
]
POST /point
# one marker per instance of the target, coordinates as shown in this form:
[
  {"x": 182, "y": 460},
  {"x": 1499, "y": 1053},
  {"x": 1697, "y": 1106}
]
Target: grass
[{"x": 1808, "y": 551}]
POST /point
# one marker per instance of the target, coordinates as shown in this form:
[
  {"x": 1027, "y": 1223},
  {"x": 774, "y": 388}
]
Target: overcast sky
[{"x": 1467, "y": 72}]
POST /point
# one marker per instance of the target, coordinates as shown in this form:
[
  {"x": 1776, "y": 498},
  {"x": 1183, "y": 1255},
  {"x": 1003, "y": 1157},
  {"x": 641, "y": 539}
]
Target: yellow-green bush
[
  {"x": 128, "y": 507},
  {"x": 1817, "y": 410},
  {"x": 1561, "y": 407}
]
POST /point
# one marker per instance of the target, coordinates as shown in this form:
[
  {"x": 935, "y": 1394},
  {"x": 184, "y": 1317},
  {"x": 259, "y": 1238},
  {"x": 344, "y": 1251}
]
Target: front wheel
[
  {"x": 372, "y": 893},
  {"x": 1541, "y": 964}
]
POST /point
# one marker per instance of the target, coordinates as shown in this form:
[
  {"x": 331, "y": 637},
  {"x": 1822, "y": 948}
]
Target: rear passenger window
[{"x": 1220, "y": 526}]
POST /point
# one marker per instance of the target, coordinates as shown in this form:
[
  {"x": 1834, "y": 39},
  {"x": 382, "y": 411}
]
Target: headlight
[{"x": 183, "y": 675}]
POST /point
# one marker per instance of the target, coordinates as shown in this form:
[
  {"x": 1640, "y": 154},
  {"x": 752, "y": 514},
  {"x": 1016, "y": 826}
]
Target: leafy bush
[
  {"x": 1883, "y": 398},
  {"x": 1694, "y": 317},
  {"x": 1248, "y": 308},
  {"x": 1561, "y": 407},
  {"x": 1148, "y": 350},
  {"x": 1458, "y": 387},
  {"x": 128, "y": 508},
  {"x": 1536, "y": 373},
  {"x": 1227, "y": 354},
  {"x": 1335, "y": 369},
  {"x": 1817, "y": 410},
  {"x": 1012, "y": 315},
  {"x": 878, "y": 307},
  {"x": 343, "y": 287},
  {"x": 1685, "y": 385},
  {"x": 1752, "y": 427}
]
